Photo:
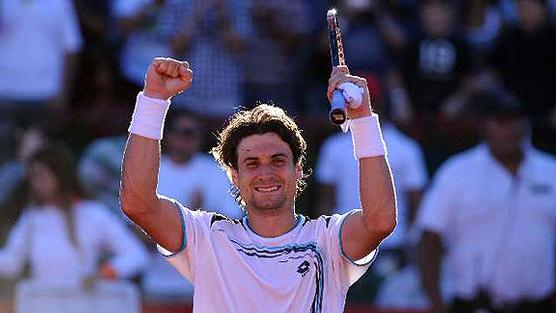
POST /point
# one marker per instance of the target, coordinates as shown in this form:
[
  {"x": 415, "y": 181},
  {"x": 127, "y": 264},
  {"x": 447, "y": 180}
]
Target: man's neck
[
  {"x": 271, "y": 225},
  {"x": 510, "y": 162},
  {"x": 179, "y": 159}
]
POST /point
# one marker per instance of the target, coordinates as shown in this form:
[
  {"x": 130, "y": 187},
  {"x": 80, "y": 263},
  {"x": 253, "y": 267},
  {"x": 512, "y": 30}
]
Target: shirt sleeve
[
  {"x": 15, "y": 253},
  {"x": 129, "y": 255},
  {"x": 128, "y": 8},
  {"x": 415, "y": 173},
  {"x": 71, "y": 31},
  {"x": 344, "y": 270},
  {"x": 196, "y": 230},
  {"x": 325, "y": 172},
  {"x": 439, "y": 202}
]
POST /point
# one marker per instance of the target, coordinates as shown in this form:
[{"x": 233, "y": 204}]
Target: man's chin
[{"x": 266, "y": 206}]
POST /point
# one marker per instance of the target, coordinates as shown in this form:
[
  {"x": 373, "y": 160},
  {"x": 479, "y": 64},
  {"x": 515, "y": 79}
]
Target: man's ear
[{"x": 233, "y": 174}]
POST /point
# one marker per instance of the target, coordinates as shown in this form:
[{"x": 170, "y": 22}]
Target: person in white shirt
[
  {"x": 62, "y": 235},
  {"x": 189, "y": 175},
  {"x": 273, "y": 260},
  {"x": 492, "y": 210},
  {"x": 39, "y": 39}
]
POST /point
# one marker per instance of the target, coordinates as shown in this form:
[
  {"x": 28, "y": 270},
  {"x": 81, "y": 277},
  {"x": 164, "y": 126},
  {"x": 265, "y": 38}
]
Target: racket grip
[{"x": 337, "y": 108}]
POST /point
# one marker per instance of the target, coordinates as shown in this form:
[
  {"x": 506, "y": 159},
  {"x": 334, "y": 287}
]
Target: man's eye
[
  {"x": 251, "y": 165},
  {"x": 279, "y": 161}
]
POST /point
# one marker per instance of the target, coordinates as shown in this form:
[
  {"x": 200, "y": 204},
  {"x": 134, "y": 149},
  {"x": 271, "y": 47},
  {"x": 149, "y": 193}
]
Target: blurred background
[{"x": 438, "y": 72}]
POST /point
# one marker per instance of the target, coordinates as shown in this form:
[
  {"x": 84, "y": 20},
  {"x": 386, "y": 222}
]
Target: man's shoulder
[
  {"x": 544, "y": 160},
  {"x": 396, "y": 139},
  {"x": 337, "y": 139},
  {"x": 463, "y": 162}
]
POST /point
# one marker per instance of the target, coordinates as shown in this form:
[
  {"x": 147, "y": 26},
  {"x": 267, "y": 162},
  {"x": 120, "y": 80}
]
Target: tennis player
[{"x": 273, "y": 260}]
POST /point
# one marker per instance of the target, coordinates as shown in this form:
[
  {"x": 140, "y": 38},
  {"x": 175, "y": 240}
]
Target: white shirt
[
  {"x": 200, "y": 178},
  {"x": 337, "y": 166},
  {"x": 235, "y": 270},
  {"x": 35, "y": 37},
  {"x": 498, "y": 230},
  {"x": 40, "y": 237}
]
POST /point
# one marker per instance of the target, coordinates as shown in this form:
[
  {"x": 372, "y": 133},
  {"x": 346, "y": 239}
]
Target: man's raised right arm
[{"x": 157, "y": 216}]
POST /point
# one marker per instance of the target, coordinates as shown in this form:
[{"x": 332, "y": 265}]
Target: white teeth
[{"x": 268, "y": 189}]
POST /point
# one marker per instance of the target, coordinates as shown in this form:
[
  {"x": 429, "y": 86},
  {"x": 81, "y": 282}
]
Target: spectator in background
[
  {"x": 336, "y": 173},
  {"x": 213, "y": 37},
  {"x": 524, "y": 61},
  {"x": 367, "y": 37},
  {"x": 492, "y": 210},
  {"x": 63, "y": 235},
  {"x": 189, "y": 175},
  {"x": 12, "y": 174},
  {"x": 99, "y": 81},
  {"x": 147, "y": 26},
  {"x": 435, "y": 80},
  {"x": 482, "y": 23},
  {"x": 193, "y": 178},
  {"x": 271, "y": 58},
  {"x": 100, "y": 169},
  {"x": 39, "y": 42}
]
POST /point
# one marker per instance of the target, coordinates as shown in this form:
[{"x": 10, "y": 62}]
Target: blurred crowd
[{"x": 466, "y": 91}]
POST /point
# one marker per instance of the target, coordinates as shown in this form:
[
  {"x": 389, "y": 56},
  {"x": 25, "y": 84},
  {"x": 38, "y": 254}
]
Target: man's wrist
[
  {"x": 367, "y": 137},
  {"x": 155, "y": 95},
  {"x": 148, "y": 117}
]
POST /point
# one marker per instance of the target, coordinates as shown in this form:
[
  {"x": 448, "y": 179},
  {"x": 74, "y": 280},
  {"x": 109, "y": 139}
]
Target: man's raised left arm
[{"x": 364, "y": 230}]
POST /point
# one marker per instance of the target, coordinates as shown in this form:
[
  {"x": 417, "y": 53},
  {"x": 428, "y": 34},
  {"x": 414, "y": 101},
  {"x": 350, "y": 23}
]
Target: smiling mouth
[{"x": 267, "y": 189}]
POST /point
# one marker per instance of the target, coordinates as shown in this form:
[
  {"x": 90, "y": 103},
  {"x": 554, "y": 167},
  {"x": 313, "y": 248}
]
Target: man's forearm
[
  {"x": 428, "y": 258},
  {"x": 140, "y": 175},
  {"x": 377, "y": 193}
]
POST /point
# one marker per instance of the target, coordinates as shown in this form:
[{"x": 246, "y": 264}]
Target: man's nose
[{"x": 265, "y": 170}]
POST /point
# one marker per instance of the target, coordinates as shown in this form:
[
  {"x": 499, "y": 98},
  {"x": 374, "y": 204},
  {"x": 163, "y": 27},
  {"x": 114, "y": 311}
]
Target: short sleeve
[
  {"x": 196, "y": 230},
  {"x": 16, "y": 250},
  {"x": 438, "y": 203},
  {"x": 325, "y": 171},
  {"x": 71, "y": 31},
  {"x": 415, "y": 173},
  {"x": 128, "y": 8},
  {"x": 345, "y": 271}
]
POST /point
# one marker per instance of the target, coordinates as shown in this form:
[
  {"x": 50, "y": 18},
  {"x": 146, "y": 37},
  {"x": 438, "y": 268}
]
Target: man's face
[
  {"x": 183, "y": 138},
  {"x": 505, "y": 135},
  {"x": 532, "y": 14},
  {"x": 43, "y": 183},
  {"x": 266, "y": 175},
  {"x": 437, "y": 18}
]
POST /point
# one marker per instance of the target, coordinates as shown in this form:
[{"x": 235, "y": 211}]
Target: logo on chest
[{"x": 303, "y": 268}]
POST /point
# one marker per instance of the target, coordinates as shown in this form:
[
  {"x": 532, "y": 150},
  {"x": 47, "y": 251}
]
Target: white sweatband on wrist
[
  {"x": 367, "y": 137},
  {"x": 148, "y": 117}
]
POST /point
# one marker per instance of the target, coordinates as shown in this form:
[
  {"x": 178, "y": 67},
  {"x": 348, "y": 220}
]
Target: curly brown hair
[{"x": 262, "y": 119}]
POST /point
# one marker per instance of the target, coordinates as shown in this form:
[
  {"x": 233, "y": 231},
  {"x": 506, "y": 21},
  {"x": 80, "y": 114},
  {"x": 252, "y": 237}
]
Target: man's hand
[
  {"x": 340, "y": 75},
  {"x": 166, "y": 78},
  {"x": 108, "y": 272}
]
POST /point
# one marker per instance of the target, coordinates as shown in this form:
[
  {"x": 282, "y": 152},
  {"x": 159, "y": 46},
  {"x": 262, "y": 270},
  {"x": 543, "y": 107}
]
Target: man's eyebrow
[
  {"x": 247, "y": 159},
  {"x": 278, "y": 155}
]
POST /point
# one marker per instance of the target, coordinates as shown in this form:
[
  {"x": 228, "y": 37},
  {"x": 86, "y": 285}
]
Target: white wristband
[
  {"x": 148, "y": 117},
  {"x": 367, "y": 137}
]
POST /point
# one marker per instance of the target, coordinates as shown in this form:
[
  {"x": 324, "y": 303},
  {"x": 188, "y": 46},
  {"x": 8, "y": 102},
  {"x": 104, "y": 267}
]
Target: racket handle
[{"x": 337, "y": 108}]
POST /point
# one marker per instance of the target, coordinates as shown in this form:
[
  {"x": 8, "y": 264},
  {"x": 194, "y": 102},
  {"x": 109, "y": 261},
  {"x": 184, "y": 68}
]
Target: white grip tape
[
  {"x": 148, "y": 117},
  {"x": 353, "y": 94},
  {"x": 367, "y": 137}
]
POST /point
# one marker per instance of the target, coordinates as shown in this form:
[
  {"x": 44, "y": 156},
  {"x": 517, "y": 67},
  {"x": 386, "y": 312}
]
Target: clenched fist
[{"x": 166, "y": 78}]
